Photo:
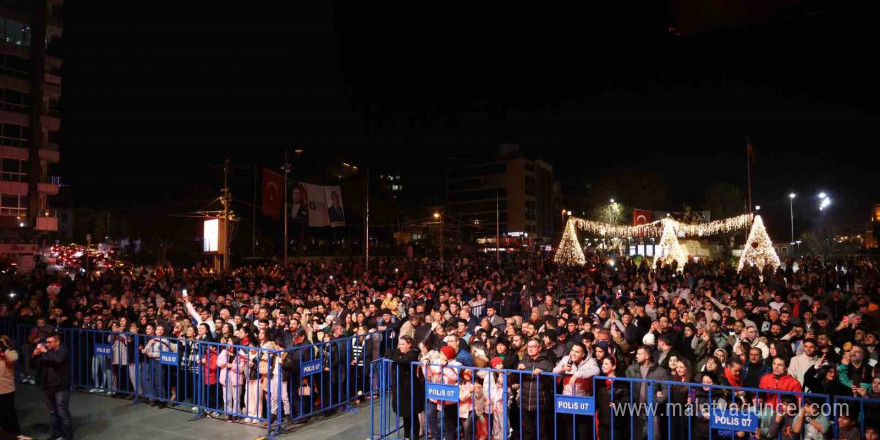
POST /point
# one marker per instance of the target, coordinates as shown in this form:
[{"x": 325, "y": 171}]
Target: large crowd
[{"x": 806, "y": 327}]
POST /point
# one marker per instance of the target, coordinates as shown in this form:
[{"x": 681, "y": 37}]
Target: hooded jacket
[{"x": 580, "y": 381}]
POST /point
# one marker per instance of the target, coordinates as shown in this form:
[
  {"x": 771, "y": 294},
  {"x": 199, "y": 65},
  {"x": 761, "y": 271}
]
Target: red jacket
[
  {"x": 210, "y": 367},
  {"x": 786, "y": 382}
]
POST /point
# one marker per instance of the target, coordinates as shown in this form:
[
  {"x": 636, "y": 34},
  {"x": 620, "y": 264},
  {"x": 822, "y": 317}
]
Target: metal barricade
[
  {"x": 250, "y": 384},
  {"x": 452, "y": 402}
]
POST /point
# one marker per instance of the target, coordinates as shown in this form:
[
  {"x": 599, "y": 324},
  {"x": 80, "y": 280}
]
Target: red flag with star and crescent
[
  {"x": 273, "y": 193},
  {"x": 641, "y": 217}
]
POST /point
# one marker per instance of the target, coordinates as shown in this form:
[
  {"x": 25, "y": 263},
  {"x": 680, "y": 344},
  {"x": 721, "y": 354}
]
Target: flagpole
[
  {"x": 284, "y": 211},
  {"x": 254, "y": 219},
  {"x": 749, "y": 152}
]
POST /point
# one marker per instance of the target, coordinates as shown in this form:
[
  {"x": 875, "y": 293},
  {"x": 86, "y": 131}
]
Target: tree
[
  {"x": 631, "y": 189},
  {"x": 723, "y": 200}
]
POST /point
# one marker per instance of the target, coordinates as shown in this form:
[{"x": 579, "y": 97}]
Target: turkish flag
[
  {"x": 641, "y": 217},
  {"x": 273, "y": 193}
]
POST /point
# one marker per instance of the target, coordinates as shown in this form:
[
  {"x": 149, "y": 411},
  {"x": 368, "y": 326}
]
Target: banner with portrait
[
  {"x": 335, "y": 211},
  {"x": 299, "y": 203},
  {"x": 317, "y": 202}
]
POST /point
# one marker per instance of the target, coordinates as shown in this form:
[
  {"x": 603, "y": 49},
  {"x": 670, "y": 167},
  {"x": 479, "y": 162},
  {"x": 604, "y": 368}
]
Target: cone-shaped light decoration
[
  {"x": 669, "y": 250},
  {"x": 569, "y": 251},
  {"x": 759, "y": 249}
]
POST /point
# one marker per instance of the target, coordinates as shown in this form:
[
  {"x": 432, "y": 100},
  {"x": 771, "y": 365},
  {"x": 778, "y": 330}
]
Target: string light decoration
[
  {"x": 655, "y": 229},
  {"x": 669, "y": 249},
  {"x": 569, "y": 251},
  {"x": 758, "y": 251}
]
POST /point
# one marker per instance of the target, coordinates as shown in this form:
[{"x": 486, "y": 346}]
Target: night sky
[{"x": 155, "y": 93}]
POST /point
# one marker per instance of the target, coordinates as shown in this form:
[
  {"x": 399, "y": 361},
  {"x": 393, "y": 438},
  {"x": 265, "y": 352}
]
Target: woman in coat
[
  {"x": 407, "y": 388},
  {"x": 609, "y": 393}
]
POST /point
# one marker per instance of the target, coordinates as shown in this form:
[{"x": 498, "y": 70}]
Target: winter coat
[
  {"x": 53, "y": 369},
  {"x": 210, "y": 367},
  {"x": 655, "y": 373},
  {"x": 618, "y": 394},
  {"x": 786, "y": 382},
  {"x": 580, "y": 381},
  {"x": 407, "y": 387},
  {"x": 532, "y": 395}
]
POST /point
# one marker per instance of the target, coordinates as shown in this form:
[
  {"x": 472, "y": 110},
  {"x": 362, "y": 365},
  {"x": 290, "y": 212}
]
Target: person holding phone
[{"x": 52, "y": 363}]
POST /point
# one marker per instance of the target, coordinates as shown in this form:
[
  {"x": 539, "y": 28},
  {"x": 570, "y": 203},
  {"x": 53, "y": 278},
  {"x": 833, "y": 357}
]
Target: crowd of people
[{"x": 806, "y": 327}]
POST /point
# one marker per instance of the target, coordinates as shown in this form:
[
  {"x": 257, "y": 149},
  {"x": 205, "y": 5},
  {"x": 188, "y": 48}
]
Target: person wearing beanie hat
[
  {"x": 497, "y": 362},
  {"x": 388, "y": 321},
  {"x": 439, "y": 372},
  {"x": 509, "y": 358},
  {"x": 448, "y": 352}
]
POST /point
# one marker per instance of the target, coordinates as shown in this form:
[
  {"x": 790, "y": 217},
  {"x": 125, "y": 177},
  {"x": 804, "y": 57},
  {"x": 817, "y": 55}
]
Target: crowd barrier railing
[
  {"x": 452, "y": 402},
  {"x": 248, "y": 384}
]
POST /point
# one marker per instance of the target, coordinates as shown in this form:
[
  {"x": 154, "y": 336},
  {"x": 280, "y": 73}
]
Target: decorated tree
[
  {"x": 758, "y": 251},
  {"x": 669, "y": 250},
  {"x": 569, "y": 251}
]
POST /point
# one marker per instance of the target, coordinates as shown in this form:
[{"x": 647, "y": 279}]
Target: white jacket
[
  {"x": 579, "y": 383},
  {"x": 799, "y": 366}
]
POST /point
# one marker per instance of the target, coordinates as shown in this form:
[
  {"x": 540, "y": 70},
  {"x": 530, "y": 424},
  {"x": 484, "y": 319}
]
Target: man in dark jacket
[
  {"x": 754, "y": 369},
  {"x": 536, "y": 393},
  {"x": 645, "y": 368},
  {"x": 52, "y": 362}
]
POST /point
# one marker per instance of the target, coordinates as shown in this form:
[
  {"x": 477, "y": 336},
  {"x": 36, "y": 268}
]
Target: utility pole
[
  {"x": 286, "y": 169},
  {"x": 367, "y": 222},
  {"x": 88, "y": 246},
  {"x": 442, "y": 266},
  {"x": 254, "y": 218},
  {"x": 497, "y": 227},
  {"x": 226, "y": 223}
]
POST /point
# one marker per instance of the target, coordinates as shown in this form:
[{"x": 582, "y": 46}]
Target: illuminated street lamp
[{"x": 791, "y": 208}]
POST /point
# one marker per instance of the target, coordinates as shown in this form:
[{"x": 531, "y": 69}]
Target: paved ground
[{"x": 99, "y": 417}]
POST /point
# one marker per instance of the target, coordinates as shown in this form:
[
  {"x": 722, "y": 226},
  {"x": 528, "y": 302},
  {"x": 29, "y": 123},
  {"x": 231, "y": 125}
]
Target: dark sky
[{"x": 154, "y": 93}]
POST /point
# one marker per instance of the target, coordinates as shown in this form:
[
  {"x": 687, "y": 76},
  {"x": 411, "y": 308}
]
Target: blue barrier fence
[
  {"x": 248, "y": 384},
  {"x": 453, "y": 402}
]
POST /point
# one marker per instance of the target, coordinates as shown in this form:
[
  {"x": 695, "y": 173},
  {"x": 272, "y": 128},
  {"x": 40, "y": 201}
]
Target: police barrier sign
[
  {"x": 102, "y": 350},
  {"x": 167, "y": 358},
  {"x": 311, "y": 367},
  {"x": 439, "y": 391},
  {"x": 734, "y": 420},
  {"x": 582, "y": 406}
]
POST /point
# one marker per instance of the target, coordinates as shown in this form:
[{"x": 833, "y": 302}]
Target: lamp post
[
  {"x": 824, "y": 202},
  {"x": 439, "y": 217},
  {"x": 791, "y": 209}
]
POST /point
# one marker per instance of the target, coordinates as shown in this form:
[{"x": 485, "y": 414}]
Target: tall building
[
  {"x": 524, "y": 188},
  {"x": 30, "y": 116}
]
